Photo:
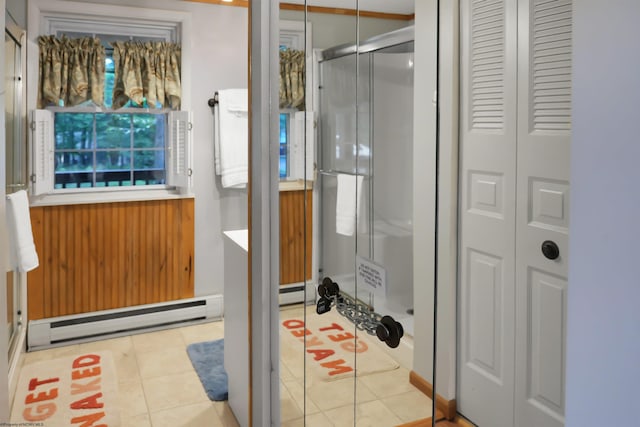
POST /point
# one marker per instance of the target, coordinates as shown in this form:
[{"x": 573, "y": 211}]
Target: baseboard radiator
[{"x": 65, "y": 330}]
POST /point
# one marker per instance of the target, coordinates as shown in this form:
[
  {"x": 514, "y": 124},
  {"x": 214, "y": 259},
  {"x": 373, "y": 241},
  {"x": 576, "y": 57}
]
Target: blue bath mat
[{"x": 208, "y": 360}]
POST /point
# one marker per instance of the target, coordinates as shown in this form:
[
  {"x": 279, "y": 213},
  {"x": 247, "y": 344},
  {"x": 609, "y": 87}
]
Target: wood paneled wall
[
  {"x": 292, "y": 239},
  {"x": 111, "y": 255}
]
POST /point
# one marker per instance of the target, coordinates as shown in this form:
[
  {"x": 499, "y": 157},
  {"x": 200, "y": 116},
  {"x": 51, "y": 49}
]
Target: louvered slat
[
  {"x": 487, "y": 64},
  {"x": 551, "y": 65}
]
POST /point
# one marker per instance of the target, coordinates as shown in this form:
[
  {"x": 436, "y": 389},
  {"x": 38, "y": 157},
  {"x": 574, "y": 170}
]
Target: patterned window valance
[
  {"x": 147, "y": 70},
  {"x": 71, "y": 71},
  {"x": 292, "y": 79}
]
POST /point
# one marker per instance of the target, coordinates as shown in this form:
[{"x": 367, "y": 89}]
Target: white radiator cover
[{"x": 65, "y": 330}]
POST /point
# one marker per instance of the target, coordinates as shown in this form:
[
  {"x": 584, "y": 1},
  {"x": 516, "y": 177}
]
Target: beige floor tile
[
  {"x": 198, "y": 415},
  {"x": 120, "y": 344},
  {"x": 156, "y": 363},
  {"x": 315, "y": 420},
  {"x": 137, "y": 421},
  {"x": 289, "y": 409},
  {"x": 292, "y": 358},
  {"x": 409, "y": 406},
  {"x": 204, "y": 332},
  {"x": 226, "y": 414},
  {"x": 285, "y": 373},
  {"x": 131, "y": 401},
  {"x": 296, "y": 389},
  {"x": 123, "y": 352},
  {"x": 389, "y": 383},
  {"x": 290, "y": 311},
  {"x": 52, "y": 353},
  {"x": 171, "y": 391},
  {"x": 334, "y": 394},
  {"x": 369, "y": 414},
  {"x": 160, "y": 340}
]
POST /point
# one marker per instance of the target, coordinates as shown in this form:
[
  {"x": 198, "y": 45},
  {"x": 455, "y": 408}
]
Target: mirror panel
[{"x": 365, "y": 223}]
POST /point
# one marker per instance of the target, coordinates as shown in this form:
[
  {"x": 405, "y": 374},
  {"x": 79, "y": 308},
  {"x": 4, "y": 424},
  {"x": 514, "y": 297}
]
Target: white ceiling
[{"x": 389, "y": 6}]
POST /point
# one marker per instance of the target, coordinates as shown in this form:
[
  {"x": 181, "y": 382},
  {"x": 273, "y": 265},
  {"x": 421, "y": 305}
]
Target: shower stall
[{"x": 365, "y": 163}]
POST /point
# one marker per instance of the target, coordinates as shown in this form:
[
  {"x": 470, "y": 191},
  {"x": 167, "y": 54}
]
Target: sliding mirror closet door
[
  {"x": 394, "y": 182},
  {"x": 353, "y": 240},
  {"x": 317, "y": 346}
]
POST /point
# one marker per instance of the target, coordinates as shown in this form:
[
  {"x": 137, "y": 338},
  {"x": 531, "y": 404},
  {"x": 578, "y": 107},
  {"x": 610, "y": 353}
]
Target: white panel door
[
  {"x": 544, "y": 130},
  {"x": 486, "y": 339}
]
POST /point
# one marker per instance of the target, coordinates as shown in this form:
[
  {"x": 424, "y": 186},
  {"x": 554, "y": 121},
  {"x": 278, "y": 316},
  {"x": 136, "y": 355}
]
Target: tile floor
[
  {"x": 158, "y": 387},
  {"x": 157, "y": 384},
  {"x": 383, "y": 399}
]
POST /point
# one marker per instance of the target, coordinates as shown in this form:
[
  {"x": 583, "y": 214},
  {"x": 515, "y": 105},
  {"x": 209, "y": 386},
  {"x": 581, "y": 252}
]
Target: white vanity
[{"x": 236, "y": 322}]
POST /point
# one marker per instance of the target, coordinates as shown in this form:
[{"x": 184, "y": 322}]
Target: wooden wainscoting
[
  {"x": 292, "y": 241},
  {"x": 110, "y": 255}
]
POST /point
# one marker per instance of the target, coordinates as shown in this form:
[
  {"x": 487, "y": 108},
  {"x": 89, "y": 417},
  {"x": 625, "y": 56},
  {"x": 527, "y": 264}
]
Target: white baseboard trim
[{"x": 86, "y": 327}]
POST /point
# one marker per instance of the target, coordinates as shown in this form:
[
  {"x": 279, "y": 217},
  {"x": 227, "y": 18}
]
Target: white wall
[
  {"x": 219, "y": 61},
  {"x": 603, "y": 338},
  {"x": 330, "y": 30},
  {"x": 18, "y": 10}
]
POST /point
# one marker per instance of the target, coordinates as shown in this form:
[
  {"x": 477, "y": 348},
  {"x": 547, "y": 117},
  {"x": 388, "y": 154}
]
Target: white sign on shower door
[{"x": 372, "y": 275}]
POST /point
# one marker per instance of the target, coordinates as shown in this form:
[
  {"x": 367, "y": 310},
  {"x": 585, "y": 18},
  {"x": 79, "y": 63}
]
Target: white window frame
[{"x": 51, "y": 16}]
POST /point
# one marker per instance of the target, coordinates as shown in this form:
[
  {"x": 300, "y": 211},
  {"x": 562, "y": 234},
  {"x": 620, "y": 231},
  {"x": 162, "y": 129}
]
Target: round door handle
[{"x": 550, "y": 249}]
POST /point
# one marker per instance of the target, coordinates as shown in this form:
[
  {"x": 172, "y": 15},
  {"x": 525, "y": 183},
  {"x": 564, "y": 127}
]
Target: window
[
  {"x": 292, "y": 36},
  {"x": 284, "y": 145},
  {"x": 96, "y": 148},
  {"x": 109, "y": 149}
]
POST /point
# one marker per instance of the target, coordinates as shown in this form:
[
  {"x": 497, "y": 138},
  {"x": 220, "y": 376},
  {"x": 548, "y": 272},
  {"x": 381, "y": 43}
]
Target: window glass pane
[
  {"x": 148, "y": 130},
  {"x": 148, "y": 159},
  {"x": 284, "y": 139},
  {"x": 74, "y": 131},
  {"x": 125, "y": 149},
  {"x": 113, "y": 160},
  {"x": 113, "y": 130},
  {"x": 73, "y": 161},
  {"x": 149, "y": 167},
  {"x": 109, "y": 79},
  {"x": 72, "y": 179}
]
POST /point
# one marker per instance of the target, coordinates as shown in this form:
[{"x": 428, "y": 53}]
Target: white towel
[
  {"x": 348, "y": 203},
  {"x": 21, "y": 247},
  {"x": 233, "y": 124}
]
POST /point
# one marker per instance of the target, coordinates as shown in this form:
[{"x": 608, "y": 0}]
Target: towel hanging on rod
[
  {"x": 23, "y": 255},
  {"x": 231, "y": 137}
]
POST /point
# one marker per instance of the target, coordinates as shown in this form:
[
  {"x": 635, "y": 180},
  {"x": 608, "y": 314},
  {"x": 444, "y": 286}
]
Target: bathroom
[
  {"x": 403, "y": 224},
  {"x": 55, "y": 287}
]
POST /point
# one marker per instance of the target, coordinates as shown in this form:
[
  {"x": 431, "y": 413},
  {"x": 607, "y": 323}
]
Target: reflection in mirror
[
  {"x": 16, "y": 159},
  {"x": 356, "y": 356}
]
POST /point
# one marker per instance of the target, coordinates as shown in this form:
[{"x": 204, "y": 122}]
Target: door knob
[
  {"x": 389, "y": 331},
  {"x": 550, "y": 249}
]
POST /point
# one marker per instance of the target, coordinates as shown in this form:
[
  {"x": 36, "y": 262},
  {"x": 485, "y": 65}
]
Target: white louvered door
[
  {"x": 515, "y": 132},
  {"x": 544, "y": 132},
  {"x": 487, "y": 219}
]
